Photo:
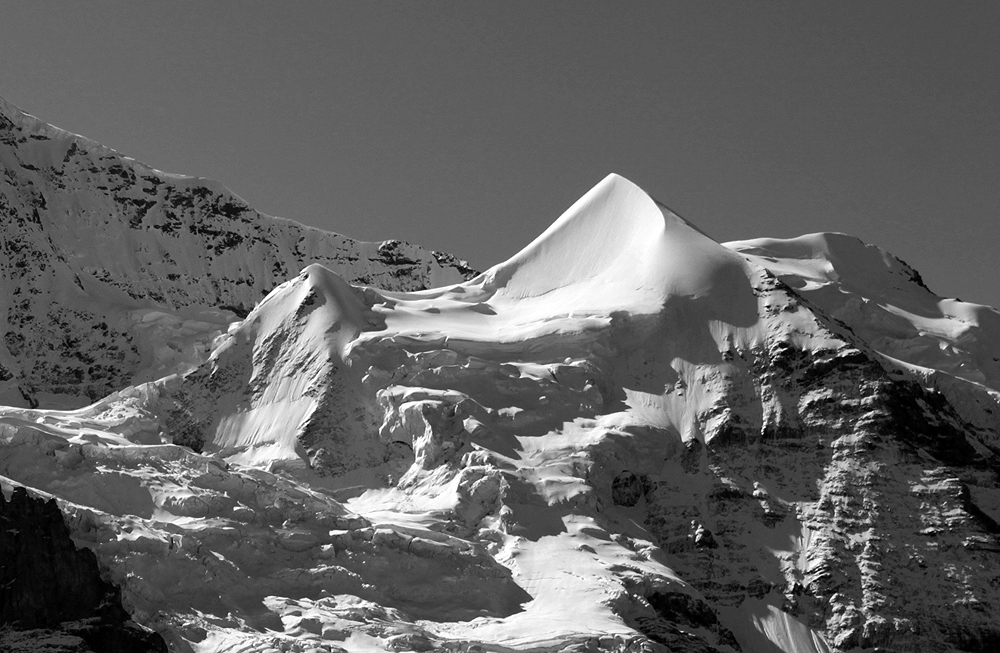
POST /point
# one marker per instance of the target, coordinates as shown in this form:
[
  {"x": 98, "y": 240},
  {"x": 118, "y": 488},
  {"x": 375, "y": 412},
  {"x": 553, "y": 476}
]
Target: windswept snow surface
[{"x": 626, "y": 437}]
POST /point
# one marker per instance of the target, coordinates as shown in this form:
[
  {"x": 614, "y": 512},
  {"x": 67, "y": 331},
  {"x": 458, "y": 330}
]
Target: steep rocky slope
[
  {"x": 51, "y": 593},
  {"x": 112, "y": 271},
  {"x": 626, "y": 437}
]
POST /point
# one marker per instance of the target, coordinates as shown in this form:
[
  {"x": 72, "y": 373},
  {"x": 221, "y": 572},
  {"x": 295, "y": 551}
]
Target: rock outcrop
[{"x": 51, "y": 592}]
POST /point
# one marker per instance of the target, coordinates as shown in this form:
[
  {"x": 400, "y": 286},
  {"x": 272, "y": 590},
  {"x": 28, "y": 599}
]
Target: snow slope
[{"x": 626, "y": 437}]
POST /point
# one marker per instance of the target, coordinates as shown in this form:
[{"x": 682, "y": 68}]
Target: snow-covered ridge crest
[
  {"x": 953, "y": 345},
  {"x": 29, "y": 124}
]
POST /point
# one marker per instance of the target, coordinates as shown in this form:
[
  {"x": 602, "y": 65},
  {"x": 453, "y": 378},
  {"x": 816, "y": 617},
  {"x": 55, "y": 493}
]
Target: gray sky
[{"x": 468, "y": 127}]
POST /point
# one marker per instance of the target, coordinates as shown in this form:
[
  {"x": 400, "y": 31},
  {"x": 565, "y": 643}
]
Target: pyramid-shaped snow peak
[{"x": 618, "y": 249}]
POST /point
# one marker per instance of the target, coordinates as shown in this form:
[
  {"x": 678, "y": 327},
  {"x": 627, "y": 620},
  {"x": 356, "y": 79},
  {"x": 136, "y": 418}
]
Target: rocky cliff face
[
  {"x": 52, "y": 593},
  {"x": 104, "y": 258}
]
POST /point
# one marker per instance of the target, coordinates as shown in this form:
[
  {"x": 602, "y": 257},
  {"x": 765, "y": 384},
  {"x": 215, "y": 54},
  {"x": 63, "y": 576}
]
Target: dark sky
[{"x": 468, "y": 127}]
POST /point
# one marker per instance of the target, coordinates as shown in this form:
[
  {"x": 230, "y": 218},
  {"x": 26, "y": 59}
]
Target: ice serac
[{"x": 116, "y": 273}]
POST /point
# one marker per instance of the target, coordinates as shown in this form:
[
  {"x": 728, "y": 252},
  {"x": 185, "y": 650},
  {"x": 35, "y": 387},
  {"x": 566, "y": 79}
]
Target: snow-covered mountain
[
  {"x": 951, "y": 345},
  {"x": 627, "y": 437},
  {"x": 113, "y": 272}
]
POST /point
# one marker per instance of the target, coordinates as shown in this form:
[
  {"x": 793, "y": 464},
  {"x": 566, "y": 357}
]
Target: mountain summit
[{"x": 627, "y": 437}]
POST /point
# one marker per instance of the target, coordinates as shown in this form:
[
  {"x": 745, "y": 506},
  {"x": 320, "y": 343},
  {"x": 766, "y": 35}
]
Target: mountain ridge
[
  {"x": 178, "y": 244},
  {"x": 626, "y": 437}
]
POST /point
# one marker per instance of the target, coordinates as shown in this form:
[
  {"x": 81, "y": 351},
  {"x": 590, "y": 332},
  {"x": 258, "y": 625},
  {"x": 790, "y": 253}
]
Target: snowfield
[{"x": 627, "y": 437}]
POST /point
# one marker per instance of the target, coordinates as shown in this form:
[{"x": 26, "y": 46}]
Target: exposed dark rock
[
  {"x": 685, "y": 610},
  {"x": 662, "y": 632},
  {"x": 703, "y": 538},
  {"x": 49, "y": 587},
  {"x": 758, "y": 588},
  {"x": 626, "y": 489}
]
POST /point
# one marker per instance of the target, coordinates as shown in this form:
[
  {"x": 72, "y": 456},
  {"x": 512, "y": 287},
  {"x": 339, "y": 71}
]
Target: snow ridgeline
[{"x": 626, "y": 437}]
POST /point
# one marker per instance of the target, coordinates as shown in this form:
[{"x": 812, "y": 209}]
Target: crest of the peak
[
  {"x": 9, "y": 109},
  {"x": 315, "y": 285},
  {"x": 21, "y": 119},
  {"x": 24, "y": 120},
  {"x": 616, "y": 248},
  {"x": 820, "y": 259}
]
